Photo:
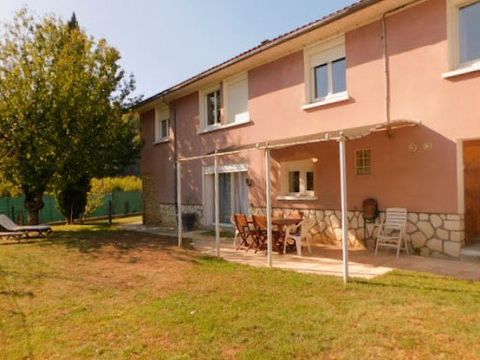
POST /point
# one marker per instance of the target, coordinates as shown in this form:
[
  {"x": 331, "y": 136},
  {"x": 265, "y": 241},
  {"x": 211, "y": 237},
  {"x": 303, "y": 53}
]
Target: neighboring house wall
[{"x": 425, "y": 181}]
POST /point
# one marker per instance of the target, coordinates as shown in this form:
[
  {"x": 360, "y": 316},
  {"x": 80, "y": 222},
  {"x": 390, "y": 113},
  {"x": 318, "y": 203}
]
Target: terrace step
[{"x": 471, "y": 253}]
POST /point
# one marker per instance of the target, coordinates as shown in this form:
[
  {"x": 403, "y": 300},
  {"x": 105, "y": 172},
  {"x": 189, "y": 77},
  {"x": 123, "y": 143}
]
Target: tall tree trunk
[{"x": 33, "y": 203}]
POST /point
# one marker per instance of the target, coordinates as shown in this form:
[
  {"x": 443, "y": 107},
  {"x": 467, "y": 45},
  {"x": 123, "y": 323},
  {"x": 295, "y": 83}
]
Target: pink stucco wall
[
  {"x": 422, "y": 181},
  {"x": 156, "y": 161}
]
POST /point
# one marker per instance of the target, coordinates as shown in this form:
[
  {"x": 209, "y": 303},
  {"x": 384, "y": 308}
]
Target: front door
[{"x": 471, "y": 159}]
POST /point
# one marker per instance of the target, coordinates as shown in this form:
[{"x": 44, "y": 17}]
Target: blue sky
[{"x": 163, "y": 42}]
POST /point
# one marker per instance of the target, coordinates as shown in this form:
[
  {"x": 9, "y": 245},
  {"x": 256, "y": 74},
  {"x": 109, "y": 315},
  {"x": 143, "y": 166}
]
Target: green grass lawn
[{"x": 95, "y": 292}]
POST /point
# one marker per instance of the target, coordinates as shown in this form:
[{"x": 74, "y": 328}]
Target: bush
[
  {"x": 9, "y": 190},
  {"x": 101, "y": 187},
  {"x": 109, "y": 184}
]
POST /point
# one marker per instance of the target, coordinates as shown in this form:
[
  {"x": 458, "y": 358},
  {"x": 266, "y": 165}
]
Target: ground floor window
[{"x": 297, "y": 179}]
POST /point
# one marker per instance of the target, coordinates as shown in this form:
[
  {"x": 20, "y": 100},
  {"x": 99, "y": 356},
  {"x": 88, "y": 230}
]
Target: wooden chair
[
  {"x": 242, "y": 229},
  {"x": 299, "y": 232},
  {"x": 392, "y": 233},
  {"x": 259, "y": 234}
]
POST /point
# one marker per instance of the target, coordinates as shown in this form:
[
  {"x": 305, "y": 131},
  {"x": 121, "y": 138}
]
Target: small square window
[{"x": 363, "y": 162}]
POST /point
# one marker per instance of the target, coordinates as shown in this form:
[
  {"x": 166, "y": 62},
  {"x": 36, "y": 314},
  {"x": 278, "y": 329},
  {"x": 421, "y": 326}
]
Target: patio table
[{"x": 281, "y": 224}]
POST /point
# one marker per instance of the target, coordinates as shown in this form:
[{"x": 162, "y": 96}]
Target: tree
[{"x": 63, "y": 99}]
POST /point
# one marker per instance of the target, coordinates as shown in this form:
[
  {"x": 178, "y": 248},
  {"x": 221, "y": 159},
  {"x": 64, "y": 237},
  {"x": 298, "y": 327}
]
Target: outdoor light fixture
[
  {"x": 314, "y": 160},
  {"x": 249, "y": 182}
]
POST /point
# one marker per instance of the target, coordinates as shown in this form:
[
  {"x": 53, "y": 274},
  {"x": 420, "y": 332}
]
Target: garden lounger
[
  {"x": 28, "y": 231},
  {"x": 11, "y": 235}
]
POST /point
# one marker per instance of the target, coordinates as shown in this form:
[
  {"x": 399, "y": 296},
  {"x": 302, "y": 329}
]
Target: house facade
[{"x": 368, "y": 67}]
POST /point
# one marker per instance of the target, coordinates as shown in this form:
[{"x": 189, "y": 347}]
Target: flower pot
[{"x": 188, "y": 221}]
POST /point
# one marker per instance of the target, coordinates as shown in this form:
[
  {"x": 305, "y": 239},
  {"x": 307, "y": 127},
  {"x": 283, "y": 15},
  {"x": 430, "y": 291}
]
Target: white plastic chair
[
  {"x": 237, "y": 233},
  {"x": 292, "y": 233},
  {"x": 392, "y": 233}
]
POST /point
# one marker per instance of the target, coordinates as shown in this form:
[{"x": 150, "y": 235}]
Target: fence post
[{"x": 109, "y": 212}]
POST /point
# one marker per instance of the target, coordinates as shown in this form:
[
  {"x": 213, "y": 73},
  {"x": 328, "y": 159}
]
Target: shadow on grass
[
  {"x": 17, "y": 294},
  {"x": 94, "y": 240},
  {"x": 424, "y": 282}
]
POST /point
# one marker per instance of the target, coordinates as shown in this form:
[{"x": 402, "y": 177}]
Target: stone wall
[
  {"x": 163, "y": 214},
  {"x": 157, "y": 214},
  {"x": 439, "y": 235}
]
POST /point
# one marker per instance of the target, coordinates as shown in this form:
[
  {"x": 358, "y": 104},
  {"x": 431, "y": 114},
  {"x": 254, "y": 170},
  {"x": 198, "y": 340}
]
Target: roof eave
[{"x": 170, "y": 92}]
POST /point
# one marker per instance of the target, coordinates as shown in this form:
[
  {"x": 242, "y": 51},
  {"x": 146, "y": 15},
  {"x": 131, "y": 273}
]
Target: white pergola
[{"x": 340, "y": 136}]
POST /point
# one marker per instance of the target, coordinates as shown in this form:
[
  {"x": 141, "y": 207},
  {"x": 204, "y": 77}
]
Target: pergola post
[
  {"x": 179, "y": 203},
  {"x": 268, "y": 195},
  {"x": 343, "y": 190},
  {"x": 217, "y": 207}
]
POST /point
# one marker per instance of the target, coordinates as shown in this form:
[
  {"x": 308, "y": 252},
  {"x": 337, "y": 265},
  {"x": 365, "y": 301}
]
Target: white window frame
[
  {"x": 457, "y": 68},
  {"x": 206, "y": 198},
  {"x": 318, "y": 54},
  {"x": 203, "y": 108},
  {"x": 162, "y": 113},
  {"x": 302, "y": 166},
  {"x": 226, "y": 96}
]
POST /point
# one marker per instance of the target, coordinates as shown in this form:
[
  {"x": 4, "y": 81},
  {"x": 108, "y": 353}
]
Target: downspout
[
  {"x": 386, "y": 62},
  {"x": 175, "y": 154}
]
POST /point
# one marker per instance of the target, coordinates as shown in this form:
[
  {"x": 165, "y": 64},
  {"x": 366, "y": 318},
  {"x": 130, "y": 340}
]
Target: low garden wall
[{"x": 439, "y": 235}]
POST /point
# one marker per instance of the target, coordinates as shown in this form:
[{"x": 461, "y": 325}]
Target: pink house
[{"x": 398, "y": 79}]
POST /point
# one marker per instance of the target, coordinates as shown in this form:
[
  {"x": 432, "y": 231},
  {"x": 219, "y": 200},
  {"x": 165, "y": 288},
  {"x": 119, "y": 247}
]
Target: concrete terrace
[{"x": 325, "y": 260}]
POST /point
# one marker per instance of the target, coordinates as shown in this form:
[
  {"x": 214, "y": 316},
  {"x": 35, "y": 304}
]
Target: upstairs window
[
  {"x": 325, "y": 72},
  {"x": 330, "y": 78},
  {"x": 236, "y": 99},
  {"x": 164, "y": 129},
  {"x": 463, "y": 37},
  {"x": 213, "y": 105},
  {"x": 162, "y": 124},
  {"x": 469, "y": 32}
]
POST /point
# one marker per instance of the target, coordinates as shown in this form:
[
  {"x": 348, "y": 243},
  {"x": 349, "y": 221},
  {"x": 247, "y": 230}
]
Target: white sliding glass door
[{"x": 233, "y": 196}]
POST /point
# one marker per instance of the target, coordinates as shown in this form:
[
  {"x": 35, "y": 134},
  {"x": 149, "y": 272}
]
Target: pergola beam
[
  {"x": 217, "y": 206},
  {"x": 268, "y": 196},
  {"x": 343, "y": 191},
  {"x": 179, "y": 203}
]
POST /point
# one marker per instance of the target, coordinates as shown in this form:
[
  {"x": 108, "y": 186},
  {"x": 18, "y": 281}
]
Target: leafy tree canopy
[{"x": 63, "y": 102}]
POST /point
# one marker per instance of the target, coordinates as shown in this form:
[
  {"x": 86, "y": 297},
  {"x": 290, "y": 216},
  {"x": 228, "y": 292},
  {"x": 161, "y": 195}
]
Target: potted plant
[{"x": 188, "y": 221}]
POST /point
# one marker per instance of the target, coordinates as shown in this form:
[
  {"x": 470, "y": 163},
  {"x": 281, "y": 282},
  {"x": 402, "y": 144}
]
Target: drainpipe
[
  {"x": 175, "y": 154},
  {"x": 386, "y": 64},
  {"x": 386, "y": 60}
]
